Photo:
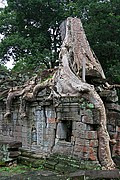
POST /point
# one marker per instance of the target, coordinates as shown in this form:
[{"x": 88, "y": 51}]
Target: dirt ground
[{"x": 34, "y": 175}]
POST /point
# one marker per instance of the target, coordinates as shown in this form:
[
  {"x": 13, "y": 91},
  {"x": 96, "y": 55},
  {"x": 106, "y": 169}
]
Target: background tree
[
  {"x": 103, "y": 31},
  {"x": 31, "y": 33}
]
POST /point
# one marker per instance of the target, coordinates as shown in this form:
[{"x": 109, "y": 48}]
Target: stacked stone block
[
  {"x": 113, "y": 119},
  {"x": 84, "y": 140},
  {"x": 10, "y": 129},
  {"x": 9, "y": 151},
  {"x": 70, "y": 128}
]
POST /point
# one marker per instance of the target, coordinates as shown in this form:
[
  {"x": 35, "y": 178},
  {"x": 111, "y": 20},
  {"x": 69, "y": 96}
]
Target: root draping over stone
[{"x": 75, "y": 58}]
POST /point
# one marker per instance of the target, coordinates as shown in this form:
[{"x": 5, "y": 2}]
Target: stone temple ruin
[{"x": 74, "y": 113}]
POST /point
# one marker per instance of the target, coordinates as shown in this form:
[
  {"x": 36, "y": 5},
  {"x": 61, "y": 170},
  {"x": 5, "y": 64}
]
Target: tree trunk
[
  {"x": 74, "y": 49},
  {"x": 103, "y": 136}
]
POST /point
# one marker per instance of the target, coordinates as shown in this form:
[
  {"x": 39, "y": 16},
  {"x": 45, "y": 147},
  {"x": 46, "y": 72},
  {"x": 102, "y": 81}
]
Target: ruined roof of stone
[{"x": 8, "y": 80}]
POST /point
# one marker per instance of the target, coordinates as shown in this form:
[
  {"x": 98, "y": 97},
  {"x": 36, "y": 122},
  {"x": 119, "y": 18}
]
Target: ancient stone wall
[
  {"x": 113, "y": 118},
  {"x": 55, "y": 116},
  {"x": 10, "y": 129},
  {"x": 67, "y": 126}
]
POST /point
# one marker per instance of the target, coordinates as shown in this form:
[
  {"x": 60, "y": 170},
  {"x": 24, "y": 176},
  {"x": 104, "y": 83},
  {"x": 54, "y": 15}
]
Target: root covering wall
[
  {"x": 75, "y": 112},
  {"x": 68, "y": 128}
]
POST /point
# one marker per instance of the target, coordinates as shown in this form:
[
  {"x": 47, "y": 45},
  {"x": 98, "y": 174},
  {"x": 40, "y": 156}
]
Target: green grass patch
[{"x": 7, "y": 171}]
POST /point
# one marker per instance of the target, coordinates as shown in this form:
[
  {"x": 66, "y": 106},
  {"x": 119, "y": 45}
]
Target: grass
[{"x": 7, "y": 171}]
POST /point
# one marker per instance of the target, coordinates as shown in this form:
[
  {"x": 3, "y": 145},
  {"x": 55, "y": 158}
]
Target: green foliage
[
  {"x": 7, "y": 171},
  {"x": 26, "y": 26},
  {"x": 3, "y": 68},
  {"x": 31, "y": 33},
  {"x": 102, "y": 27}
]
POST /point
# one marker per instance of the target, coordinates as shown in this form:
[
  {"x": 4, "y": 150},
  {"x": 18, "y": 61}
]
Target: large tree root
[
  {"x": 103, "y": 136},
  {"x": 17, "y": 92}
]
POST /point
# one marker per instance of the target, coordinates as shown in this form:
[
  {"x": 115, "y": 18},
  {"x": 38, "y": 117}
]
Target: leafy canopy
[
  {"x": 31, "y": 33},
  {"x": 30, "y": 30}
]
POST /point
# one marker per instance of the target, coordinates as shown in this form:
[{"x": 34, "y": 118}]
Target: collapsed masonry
[{"x": 66, "y": 114}]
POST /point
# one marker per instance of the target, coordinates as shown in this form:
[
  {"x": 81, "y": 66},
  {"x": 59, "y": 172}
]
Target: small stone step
[{"x": 9, "y": 151}]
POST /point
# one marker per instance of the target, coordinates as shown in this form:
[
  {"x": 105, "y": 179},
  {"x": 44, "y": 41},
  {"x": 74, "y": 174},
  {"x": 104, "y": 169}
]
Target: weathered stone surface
[
  {"x": 14, "y": 154},
  {"x": 79, "y": 134},
  {"x": 118, "y": 122},
  {"x": 91, "y": 135},
  {"x": 87, "y": 117},
  {"x": 93, "y": 143},
  {"x": 97, "y": 174},
  {"x": 111, "y": 128},
  {"x": 80, "y": 142},
  {"x": 9, "y": 151},
  {"x": 93, "y": 154},
  {"x": 96, "y": 116},
  {"x": 113, "y": 106},
  {"x": 15, "y": 144},
  {"x": 110, "y": 95},
  {"x": 113, "y": 118},
  {"x": 63, "y": 147}
]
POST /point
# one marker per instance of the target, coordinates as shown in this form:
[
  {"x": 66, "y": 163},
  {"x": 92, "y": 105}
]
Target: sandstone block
[
  {"x": 110, "y": 95},
  {"x": 86, "y": 152},
  {"x": 74, "y": 125},
  {"x": 79, "y": 141},
  {"x": 93, "y": 143},
  {"x": 86, "y": 142},
  {"x": 15, "y": 116},
  {"x": 93, "y": 154},
  {"x": 18, "y": 129},
  {"x": 80, "y": 126},
  {"x": 78, "y": 148},
  {"x": 91, "y": 135},
  {"x": 113, "y": 117},
  {"x": 78, "y": 154},
  {"x": 113, "y": 106},
  {"x": 24, "y": 129},
  {"x": 51, "y": 120},
  {"x": 110, "y": 128},
  {"x": 79, "y": 134},
  {"x": 96, "y": 116}
]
